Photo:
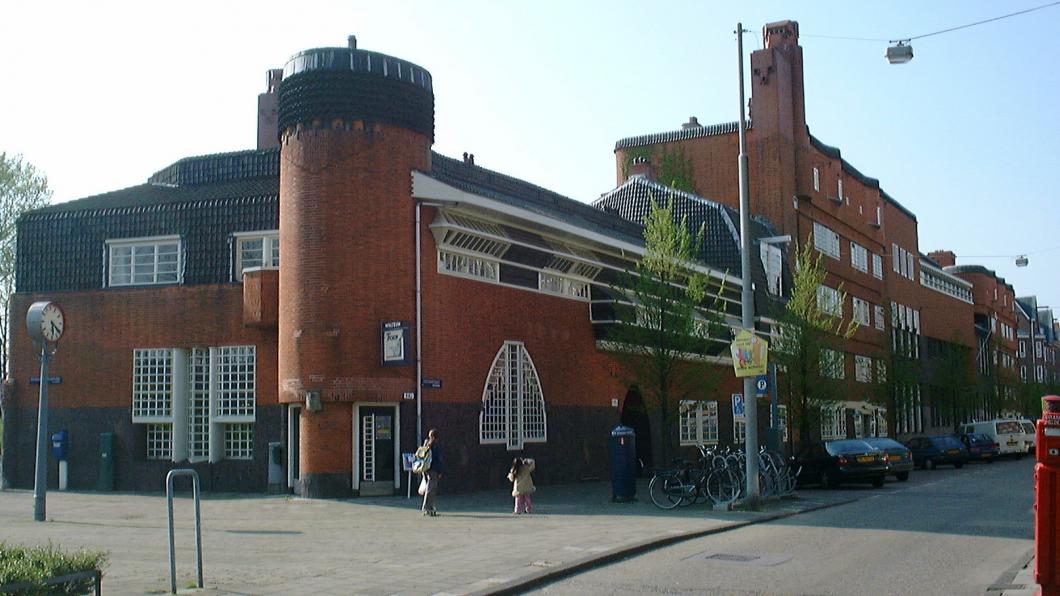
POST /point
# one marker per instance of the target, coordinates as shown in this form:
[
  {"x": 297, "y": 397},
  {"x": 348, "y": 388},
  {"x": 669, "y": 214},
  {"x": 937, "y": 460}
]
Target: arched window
[{"x": 513, "y": 407}]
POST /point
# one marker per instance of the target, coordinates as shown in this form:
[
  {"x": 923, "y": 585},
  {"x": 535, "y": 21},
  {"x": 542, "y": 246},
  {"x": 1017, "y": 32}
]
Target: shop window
[{"x": 513, "y": 406}]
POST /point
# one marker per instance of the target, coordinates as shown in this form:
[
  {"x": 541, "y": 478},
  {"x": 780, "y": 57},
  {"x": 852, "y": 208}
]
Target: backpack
[{"x": 421, "y": 462}]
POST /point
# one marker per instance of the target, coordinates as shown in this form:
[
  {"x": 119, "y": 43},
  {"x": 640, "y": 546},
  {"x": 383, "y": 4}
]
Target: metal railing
[{"x": 198, "y": 528}]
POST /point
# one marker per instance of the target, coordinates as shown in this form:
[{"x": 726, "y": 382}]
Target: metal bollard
[{"x": 198, "y": 529}]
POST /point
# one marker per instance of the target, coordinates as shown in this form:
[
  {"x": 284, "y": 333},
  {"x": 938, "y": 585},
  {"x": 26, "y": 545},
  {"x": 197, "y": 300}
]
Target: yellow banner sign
[{"x": 749, "y": 354}]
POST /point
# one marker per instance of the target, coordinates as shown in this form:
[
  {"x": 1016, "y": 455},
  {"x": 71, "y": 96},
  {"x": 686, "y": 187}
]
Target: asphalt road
[{"x": 944, "y": 531}]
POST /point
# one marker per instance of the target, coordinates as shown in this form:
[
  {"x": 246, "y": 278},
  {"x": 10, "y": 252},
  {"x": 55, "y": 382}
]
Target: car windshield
[
  {"x": 849, "y": 446},
  {"x": 885, "y": 443},
  {"x": 1028, "y": 427},
  {"x": 945, "y": 442}
]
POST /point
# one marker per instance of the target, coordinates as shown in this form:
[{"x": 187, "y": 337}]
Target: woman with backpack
[{"x": 431, "y": 454}]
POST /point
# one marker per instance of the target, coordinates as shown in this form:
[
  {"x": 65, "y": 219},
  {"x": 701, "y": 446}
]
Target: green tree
[
  {"x": 22, "y": 188},
  {"x": 955, "y": 381},
  {"x": 665, "y": 333},
  {"x": 807, "y": 332}
]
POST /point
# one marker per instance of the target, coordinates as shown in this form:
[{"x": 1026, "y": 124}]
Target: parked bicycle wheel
[
  {"x": 723, "y": 486},
  {"x": 667, "y": 490}
]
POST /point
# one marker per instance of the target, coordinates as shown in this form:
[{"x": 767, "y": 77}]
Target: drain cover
[{"x": 747, "y": 559}]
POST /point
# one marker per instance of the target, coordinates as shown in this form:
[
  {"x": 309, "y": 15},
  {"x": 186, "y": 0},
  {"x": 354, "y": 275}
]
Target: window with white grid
[
  {"x": 895, "y": 258},
  {"x": 199, "y": 410},
  {"x": 880, "y": 323},
  {"x": 465, "y": 265},
  {"x": 239, "y": 441},
  {"x": 159, "y": 441},
  {"x": 828, "y": 300},
  {"x": 861, "y": 312},
  {"x": 699, "y": 422},
  {"x": 859, "y": 257},
  {"x": 513, "y": 406},
  {"x": 781, "y": 422},
  {"x": 877, "y": 266},
  {"x": 235, "y": 381},
  {"x": 828, "y": 423},
  {"x": 816, "y": 179},
  {"x": 862, "y": 369},
  {"x": 152, "y": 384},
  {"x": 832, "y": 364},
  {"x": 739, "y": 431},
  {"x": 259, "y": 250},
  {"x": 144, "y": 261},
  {"x": 881, "y": 371},
  {"x": 825, "y": 240}
]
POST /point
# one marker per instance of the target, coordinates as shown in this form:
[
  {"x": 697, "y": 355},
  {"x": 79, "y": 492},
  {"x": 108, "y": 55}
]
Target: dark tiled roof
[
  {"x": 519, "y": 193},
  {"x": 721, "y": 224},
  {"x": 204, "y": 169},
  {"x": 835, "y": 153},
  {"x": 147, "y": 196},
  {"x": 680, "y": 135}
]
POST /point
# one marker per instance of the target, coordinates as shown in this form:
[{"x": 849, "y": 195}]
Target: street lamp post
[{"x": 746, "y": 295}]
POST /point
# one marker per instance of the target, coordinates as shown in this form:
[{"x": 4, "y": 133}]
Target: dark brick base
[
  {"x": 325, "y": 486},
  {"x": 132, "y": 470}
]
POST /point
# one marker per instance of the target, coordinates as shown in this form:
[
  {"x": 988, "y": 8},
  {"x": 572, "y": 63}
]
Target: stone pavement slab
[{"x": 284, "y": 545}]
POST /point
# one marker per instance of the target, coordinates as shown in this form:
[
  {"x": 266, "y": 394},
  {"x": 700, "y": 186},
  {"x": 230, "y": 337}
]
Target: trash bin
[
  {"x": 622, "y": 451},
  {"x": 105, "y": 480}
]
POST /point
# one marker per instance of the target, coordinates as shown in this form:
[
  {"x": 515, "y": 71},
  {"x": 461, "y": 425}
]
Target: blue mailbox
[
  {"x": 61, "y": 445},
  {"x": 622, "y": 451}
]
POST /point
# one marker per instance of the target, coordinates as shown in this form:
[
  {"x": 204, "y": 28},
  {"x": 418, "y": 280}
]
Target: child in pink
[{"x": 522, "y": 484}]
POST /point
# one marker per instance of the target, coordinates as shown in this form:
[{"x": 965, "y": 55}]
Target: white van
[
  {"x": 1030, "y": 435},
  {"x": 1008, "y": 434}
]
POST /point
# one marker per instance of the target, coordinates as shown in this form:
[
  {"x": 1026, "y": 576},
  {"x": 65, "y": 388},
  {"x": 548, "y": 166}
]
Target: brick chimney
[
  {"x": 779, "y": 105},
  {"x": 268, "y": 135},
  {"x": 945, "y": 258},
  {"x": 693, "y": 122},
  {"x": 641, "y": 166}
]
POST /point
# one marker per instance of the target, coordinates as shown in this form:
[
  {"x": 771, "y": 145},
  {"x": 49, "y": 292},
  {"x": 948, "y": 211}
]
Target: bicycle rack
[{"x": 198, "y": 528}]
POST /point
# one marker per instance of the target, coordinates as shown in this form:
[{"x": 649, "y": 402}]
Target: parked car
[
  {"x": 832, "y": 463},
  {"x": 899, "y": 457},
  {"x": 1008, "y": 434},
  {"x": 980, "y": 447},
  {"x": 1030, "y": 435},
  {"x": 929, "y": 452}
]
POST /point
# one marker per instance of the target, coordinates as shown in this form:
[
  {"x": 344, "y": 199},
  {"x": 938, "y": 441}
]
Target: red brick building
[
  {"x": 808, "y": 191},
  {"x": 299, "y": 315}
]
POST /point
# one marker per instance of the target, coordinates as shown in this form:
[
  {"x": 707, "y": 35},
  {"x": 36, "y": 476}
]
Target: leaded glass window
[{"x": 513, "y": 406}]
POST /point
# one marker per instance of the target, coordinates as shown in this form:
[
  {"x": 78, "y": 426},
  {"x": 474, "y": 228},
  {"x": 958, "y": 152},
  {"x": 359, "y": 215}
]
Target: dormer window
[{"x": 144, "y": 261}]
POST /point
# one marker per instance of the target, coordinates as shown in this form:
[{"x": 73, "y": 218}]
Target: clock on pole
[{"x": 45, "y": 323}]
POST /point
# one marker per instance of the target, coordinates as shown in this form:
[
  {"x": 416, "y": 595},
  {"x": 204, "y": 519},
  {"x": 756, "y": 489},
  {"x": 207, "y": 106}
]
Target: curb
[{"x": 547, "y": 576}]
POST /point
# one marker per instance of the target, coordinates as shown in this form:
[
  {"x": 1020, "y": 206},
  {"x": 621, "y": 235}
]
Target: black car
[
  {"x": 834, "y": 462},
  {"x": 899, "y": 457},
  {"x": 929, "y": 452},
  {"x": 981, "y": 447}
]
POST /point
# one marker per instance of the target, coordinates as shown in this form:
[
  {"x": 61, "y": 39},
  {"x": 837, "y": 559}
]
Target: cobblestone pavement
[{"x": 284, "y": 545}]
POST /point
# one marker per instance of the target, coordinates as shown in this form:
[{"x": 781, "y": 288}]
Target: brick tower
[{"x": 352, "y": 126}]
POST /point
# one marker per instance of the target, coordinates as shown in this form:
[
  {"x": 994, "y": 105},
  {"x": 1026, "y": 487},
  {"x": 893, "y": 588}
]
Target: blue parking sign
[
  {"x": 762, "y": 385},
  {"x": 737, "y": 405}
]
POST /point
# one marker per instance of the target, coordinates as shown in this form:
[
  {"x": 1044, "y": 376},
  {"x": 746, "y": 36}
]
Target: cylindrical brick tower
[{"x": 352, "y": 126}]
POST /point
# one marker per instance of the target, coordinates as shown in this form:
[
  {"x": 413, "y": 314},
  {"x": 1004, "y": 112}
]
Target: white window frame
[
  {"x": 782, "y": 422},
  {"x": 859, "y": 257},
  {"x": 772, "y": 263},
  {"x": 829, "y": 300},
  {"x": 910, "y": 265},
  {"x": 118, "y": 268},
  {"x": 877, "y": 266},
  {"x": 513, "y": 403},
  {"x": 881, "y": 324},
  {"x": 817, "y": 180},
  {"x": 468, "y": 265},
  {"x": 825, "y": 240},
  {"x": 270, "y": 250},
  {"x": 833, "y": 364},
  {"x": 739, "y": 430},
  {"x": 862, "y": 369},
  {"x": 839, "y": 189},
  {"x": 861, "y": 312},
  {"x": 1023, "y": 349},
  {"x": 895, "y": 258},
  {"x": 1037, "y": 349},
  {"x": 699, "y": 422}
]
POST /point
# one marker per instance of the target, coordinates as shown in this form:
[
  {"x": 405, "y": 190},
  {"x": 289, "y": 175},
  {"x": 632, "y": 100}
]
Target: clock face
[{"x": 51, "y": 322}]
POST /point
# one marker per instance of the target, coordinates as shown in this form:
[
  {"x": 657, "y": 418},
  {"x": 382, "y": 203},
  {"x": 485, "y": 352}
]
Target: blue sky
[{"x": 100, "y": 95}]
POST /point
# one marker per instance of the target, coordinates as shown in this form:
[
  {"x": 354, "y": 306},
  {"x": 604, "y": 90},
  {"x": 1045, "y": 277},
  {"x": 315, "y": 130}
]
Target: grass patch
[{"x": 35, "y": 564}]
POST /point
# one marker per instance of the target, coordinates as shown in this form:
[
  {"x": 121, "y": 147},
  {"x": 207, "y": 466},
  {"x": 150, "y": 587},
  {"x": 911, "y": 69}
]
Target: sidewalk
[
  {"x": 1022, "y": 584},
  {"x": 284, "y": 545}
]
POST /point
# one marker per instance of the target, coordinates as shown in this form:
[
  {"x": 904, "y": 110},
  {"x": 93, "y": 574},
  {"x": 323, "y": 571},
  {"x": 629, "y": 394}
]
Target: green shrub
[{"x": 37, "y": 563}]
